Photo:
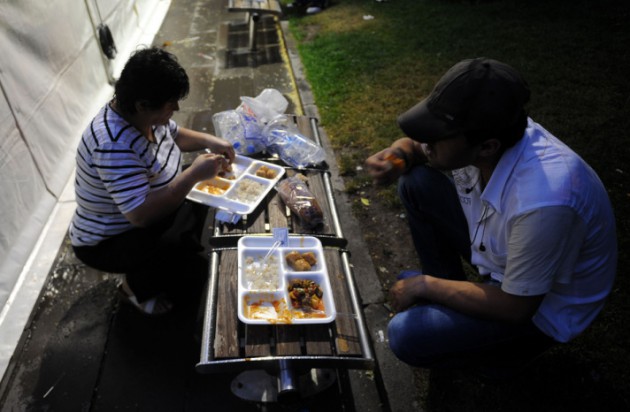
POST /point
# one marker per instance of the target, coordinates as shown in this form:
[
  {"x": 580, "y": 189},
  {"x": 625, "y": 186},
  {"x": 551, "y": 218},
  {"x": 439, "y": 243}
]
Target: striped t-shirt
[{"x": 116, "y": 168}]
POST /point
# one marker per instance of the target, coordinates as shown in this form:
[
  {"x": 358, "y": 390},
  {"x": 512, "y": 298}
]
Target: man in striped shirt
[{"x": 131, "y": 214}]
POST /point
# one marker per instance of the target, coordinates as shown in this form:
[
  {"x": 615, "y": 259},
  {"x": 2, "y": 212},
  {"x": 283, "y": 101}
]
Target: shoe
[{"x": 156, "y": 306}]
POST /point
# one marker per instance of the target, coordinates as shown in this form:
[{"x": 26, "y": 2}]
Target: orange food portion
[
  {"x": 224, "y": 175},
  {"x": 273, "y": 311},
  {"x": 266, "y": 172},
  {"x": 301, "y": 262},
  {"x": 310, "y": 258},
  {"x": 210, "y": 188},
  {"x": 396, "y": 161}
]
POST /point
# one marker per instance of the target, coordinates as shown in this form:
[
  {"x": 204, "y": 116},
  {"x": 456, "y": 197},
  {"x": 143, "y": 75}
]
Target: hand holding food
[
  {"x": 223, "y": 147},
  {"x": 208, "y": 165},
  {"x": 385, "y": 166}
]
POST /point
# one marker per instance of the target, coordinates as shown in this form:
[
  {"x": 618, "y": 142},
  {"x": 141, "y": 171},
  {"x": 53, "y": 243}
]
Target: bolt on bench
[
  {"x": 283, "y": 350},
  {"x": 254, "y": 9}
]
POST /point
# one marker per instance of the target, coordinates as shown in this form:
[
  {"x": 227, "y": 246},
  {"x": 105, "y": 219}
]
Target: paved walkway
[{"x": 83, "y": 350}]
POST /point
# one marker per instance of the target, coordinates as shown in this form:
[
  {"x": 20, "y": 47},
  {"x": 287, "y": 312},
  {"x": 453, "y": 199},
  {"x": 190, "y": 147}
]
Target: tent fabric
[{"x": 53, "y": 79}]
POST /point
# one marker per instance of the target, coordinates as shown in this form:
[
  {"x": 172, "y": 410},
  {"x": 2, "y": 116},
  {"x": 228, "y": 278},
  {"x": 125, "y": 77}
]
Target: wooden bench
[
  {"x": 273, "y": 213},
  {"x": 254, "y": 9},
  {"x": 229, "y": 345}
]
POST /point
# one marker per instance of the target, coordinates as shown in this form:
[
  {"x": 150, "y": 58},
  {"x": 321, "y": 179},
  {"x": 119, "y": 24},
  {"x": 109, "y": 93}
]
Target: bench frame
[
  {"x": 358, "y": 353},
  {"x": 254, "y": 9}
]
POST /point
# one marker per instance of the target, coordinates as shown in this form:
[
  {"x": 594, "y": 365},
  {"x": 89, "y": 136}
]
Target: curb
[{"x": 394, "y": 380}]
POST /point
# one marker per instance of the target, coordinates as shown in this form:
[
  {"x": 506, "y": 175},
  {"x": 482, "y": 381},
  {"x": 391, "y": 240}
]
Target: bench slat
[
  {"x": 347, "y": 336},
  {"x": 288, "y": 338},
  {"x": 318, "y": 340},
  {"x": 257, "y": 340},
  {"x": 265, "y": 6},
  {"x": 226, "y": 344}
]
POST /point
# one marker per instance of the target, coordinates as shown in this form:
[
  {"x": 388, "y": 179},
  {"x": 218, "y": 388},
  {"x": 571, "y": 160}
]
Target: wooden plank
[
  {"x": 278, "y": 212},
  {"x": 288, "y": 340},
  {"x": 226, "y": 343},
  {"x": 256, "y": 220},
  {"x": 265, "y": 6},
  {"x": 318, "y": 339},
  {"x": 258, "y": 340},
  {"x": 346, "y": 333}
]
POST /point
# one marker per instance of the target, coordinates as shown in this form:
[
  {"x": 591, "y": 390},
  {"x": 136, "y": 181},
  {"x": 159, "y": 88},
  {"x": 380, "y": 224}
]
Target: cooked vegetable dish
[{"x": 306, "y": 294}]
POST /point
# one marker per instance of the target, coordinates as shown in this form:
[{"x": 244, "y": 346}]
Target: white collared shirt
[{"x": 544, "y": 225}]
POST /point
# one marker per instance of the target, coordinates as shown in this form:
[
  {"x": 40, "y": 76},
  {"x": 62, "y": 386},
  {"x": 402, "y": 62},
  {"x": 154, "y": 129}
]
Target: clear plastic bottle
[
  {"x": 295, "y": 149},
  {"x": 241, "y": 129}
]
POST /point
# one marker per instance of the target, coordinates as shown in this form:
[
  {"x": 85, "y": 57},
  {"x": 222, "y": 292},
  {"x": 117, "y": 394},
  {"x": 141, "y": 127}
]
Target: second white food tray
[{"x": 263, "y": 287}]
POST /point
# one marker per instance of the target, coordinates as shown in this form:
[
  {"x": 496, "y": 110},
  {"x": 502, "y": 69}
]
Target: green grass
[{"x": 576, "y": 58}]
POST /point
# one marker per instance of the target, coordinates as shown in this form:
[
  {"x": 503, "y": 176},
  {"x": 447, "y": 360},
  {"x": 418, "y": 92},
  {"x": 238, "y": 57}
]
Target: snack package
[{"x": 297, "y": 196}]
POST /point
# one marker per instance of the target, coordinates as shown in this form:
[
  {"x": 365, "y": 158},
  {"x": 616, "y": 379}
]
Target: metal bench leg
[
  {"x": 287, "y": 382},
  {"x": 253, "y": 20},
  {"x": 286, "y": 386}
]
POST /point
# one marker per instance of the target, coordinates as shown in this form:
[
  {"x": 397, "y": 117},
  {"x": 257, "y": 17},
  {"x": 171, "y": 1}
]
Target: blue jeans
[{"x": 435, "y": 336}]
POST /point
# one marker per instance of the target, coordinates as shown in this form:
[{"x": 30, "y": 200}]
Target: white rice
[
  {"x": 247, "y": 191},
  {"x": 260, "y": 275}
]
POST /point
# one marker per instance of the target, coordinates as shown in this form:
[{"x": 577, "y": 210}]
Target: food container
[
  {"x": 241, "y": 190},
  {"x": 263, "y": 295}
]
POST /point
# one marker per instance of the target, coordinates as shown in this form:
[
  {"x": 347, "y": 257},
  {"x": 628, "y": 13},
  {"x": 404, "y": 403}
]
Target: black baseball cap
[{"x": 474, "y": 95}]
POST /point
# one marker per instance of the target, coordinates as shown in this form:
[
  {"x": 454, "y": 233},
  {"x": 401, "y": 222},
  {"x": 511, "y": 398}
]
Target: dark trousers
[
  {"x": 162, "y": 259},
  {"x": 438, "y": 225}
]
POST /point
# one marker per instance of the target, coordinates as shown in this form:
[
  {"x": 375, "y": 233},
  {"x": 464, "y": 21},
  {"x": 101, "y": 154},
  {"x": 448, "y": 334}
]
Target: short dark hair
[
  {"x": 152, "y": 76},
  {"x": 507, "y": 136}
]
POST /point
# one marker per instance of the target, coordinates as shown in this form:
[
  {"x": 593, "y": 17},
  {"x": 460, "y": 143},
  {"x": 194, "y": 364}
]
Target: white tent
[{"x": 54, "y": 76}]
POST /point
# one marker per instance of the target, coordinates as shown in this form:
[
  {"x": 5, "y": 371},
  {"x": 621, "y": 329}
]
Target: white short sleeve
[{"x": 543, "y": 246}]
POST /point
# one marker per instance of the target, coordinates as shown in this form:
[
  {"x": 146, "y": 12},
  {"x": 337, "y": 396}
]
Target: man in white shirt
[{"x": 483, "y": 182}]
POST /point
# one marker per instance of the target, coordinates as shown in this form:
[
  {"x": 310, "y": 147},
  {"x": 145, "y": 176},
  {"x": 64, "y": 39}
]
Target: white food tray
[
  {"x": 266, "y": 300},
  {"x": 228, "y": 189}
]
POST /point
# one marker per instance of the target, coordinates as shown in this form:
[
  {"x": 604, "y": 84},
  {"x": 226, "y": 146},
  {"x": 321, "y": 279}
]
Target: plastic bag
[
  {"x": 298, "y": 197},
  {"x": 282, "y": 138},
  {"x": 267, "y": 105},
  {"x": 241, "y": 129}
]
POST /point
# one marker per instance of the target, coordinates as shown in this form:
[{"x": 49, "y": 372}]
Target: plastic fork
[
  {"x": 275, "y": 246},
  {"x": 263, "y": 263}
]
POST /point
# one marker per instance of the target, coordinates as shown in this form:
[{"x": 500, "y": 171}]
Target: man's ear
[{"x": 490, "y": 147}]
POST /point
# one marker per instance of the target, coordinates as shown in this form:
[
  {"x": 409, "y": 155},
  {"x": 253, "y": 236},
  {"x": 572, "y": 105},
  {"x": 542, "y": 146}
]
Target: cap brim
[{"x": 420, "y": 124}]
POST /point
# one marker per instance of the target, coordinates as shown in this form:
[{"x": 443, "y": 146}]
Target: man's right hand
[{"x": 385, "y": 167}]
